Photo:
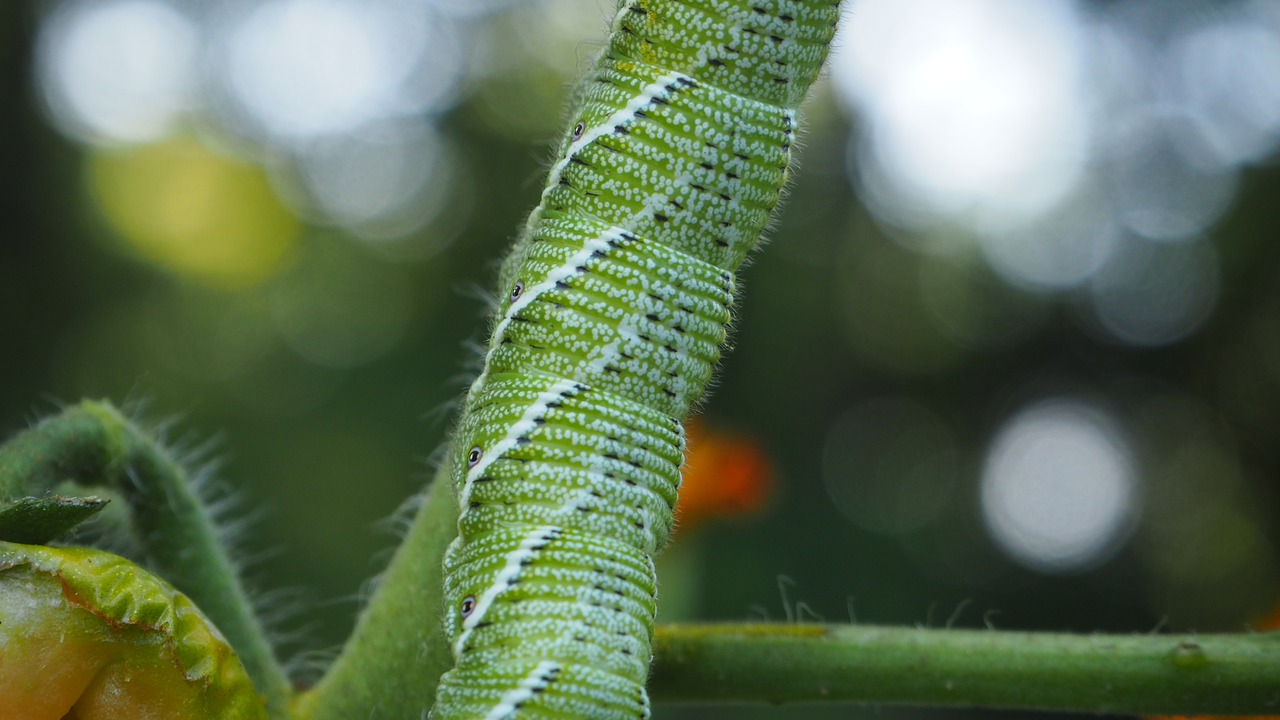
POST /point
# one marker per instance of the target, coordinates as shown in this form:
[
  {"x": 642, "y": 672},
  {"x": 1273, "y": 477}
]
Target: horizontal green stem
[
  {"x": 93, "y": 446},
  {"x": 1141, "y": 674}
]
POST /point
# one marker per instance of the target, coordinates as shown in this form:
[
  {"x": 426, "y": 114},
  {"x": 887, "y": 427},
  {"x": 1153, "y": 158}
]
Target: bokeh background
[{"x": 1011, "y": 356}]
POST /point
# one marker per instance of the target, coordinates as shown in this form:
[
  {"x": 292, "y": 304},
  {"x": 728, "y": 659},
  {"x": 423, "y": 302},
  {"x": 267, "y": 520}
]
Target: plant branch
[
  {"x": 1141, "y": 674},
  {"x": 91, "y": 445},
  {"x": 389, "y": 667}
]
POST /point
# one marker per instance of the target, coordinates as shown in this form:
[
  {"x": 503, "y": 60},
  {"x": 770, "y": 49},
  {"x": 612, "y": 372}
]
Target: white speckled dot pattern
[{"x": 618, "y": 302}]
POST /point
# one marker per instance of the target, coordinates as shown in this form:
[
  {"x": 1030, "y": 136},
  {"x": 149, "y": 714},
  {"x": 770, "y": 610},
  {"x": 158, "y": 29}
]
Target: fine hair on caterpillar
[{"x": 613, "y": 312}]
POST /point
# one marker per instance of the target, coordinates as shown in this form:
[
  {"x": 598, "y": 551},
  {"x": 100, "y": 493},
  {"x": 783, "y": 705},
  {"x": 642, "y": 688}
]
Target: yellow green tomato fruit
[{"x": 87, "y": 635}]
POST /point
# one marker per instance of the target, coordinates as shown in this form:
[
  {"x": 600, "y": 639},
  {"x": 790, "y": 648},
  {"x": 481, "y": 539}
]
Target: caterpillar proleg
[{"x": 617, "y": 298}]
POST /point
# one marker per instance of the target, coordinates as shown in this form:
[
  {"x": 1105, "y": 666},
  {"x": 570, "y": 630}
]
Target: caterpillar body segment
[{"x": 617, "y": 299}]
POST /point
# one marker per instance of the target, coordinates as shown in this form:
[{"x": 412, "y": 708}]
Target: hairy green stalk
[
  {"x": 389, "y": 667},
  {"x": 1138, "y": 674},
  {"x": 92, "y": 446}
]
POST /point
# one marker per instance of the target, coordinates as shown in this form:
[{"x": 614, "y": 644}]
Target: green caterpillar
[{"x": 617, "y": 301}]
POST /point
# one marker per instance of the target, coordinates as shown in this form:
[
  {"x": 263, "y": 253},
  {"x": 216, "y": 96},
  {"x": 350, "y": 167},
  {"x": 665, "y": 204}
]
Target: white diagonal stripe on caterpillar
[
  {"x": 520, "y": 429},
  {"x": 532, "y": 293},
  {"x": 658, "y": 89},
  {"x": 533, "y": 542},
  {"x": 537, "y": 681}
]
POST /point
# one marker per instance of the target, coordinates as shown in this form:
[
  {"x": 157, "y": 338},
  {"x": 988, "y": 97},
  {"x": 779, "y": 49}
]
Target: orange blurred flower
[
  {"x": 724, "y": 475},
  {"x": 1270, "y": 622}
]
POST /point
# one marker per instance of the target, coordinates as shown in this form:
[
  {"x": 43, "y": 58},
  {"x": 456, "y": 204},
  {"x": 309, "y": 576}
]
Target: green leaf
[{"x": 37, "y": 521}]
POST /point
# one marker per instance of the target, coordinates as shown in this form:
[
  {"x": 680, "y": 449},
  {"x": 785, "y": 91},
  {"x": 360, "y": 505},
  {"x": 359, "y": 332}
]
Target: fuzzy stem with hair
[
  {"x": 93, "y": 446},
  {"x": 1133, "y": 674},
  {"x": 389, "y": 667}
]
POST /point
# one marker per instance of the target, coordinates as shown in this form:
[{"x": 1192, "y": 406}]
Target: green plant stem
[
  {"x": 94, "y": 446},
  {"x": 389, "y": 668},
  {"x": 1141, "y": 674}
]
